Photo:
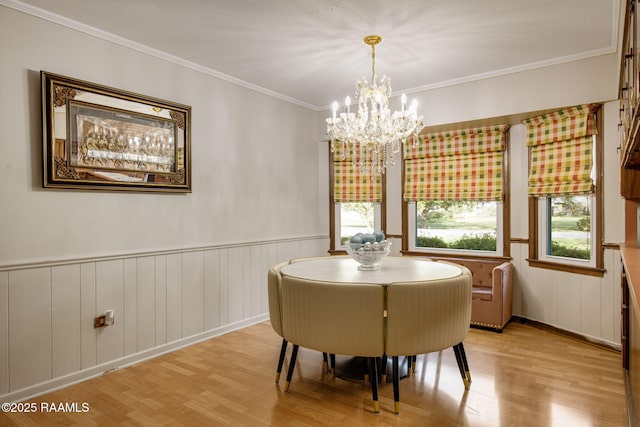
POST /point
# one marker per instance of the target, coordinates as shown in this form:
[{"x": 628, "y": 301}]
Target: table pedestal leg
[{"x": 354, "y": 368}]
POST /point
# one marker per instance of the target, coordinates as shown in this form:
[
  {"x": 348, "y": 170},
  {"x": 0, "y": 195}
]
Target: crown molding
[{"x": 87, "y": 29}]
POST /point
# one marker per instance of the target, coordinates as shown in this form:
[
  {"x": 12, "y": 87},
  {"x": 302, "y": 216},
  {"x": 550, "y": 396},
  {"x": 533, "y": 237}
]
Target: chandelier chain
[{"x": 373, "y": 63}]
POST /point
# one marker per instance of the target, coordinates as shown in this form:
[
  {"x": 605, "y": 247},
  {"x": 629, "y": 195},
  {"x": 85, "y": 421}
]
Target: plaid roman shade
[
  {"x": 561, "y": 152},
  {"x": 456, "y": 165},
  {"x": 351, "y": 185}
]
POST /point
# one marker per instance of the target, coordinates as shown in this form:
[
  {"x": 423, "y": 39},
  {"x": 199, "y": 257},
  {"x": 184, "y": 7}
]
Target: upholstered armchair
[
  {"x": 492, "y": 295},
  {"x": 492, "y": 292}
]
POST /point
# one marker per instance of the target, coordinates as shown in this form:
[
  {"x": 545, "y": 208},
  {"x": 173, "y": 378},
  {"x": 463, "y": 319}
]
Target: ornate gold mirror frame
[{"x": 97, "y": 137}]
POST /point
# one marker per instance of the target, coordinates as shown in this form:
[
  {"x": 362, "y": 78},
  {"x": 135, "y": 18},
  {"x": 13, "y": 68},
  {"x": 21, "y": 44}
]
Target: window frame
[
  {"x": 505, "y": 232},
  {"x": 535, "y": 258},
  {"x": 334, "y": 211},
  {"x": 544, "y": 238},
  {"x": 452, "y": 251}
]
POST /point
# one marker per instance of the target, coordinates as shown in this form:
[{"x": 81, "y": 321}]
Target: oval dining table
[{"x": 392, "y": 269}]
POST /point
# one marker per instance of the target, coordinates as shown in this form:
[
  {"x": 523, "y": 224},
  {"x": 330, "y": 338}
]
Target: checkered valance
[
  {"x": 463, "y": 164},
  {"x": 351, "y": 185},
  {"x": 561, "y": 152}
]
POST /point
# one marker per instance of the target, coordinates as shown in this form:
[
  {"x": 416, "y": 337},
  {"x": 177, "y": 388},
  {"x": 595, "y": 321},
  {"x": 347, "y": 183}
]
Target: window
[
  {"x": 456, "y": 226},
  {"x": 356, "y": 199},
  {"x": 566, "y": 234},
  {"x": 355, "y": 217},
  {"x": 565, "y": 189},
  {"x": 454, "y": 193}
]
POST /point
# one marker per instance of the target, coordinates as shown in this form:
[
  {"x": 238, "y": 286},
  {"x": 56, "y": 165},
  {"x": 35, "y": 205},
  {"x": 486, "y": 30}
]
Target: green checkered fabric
[
  {"x": 349, "y": 183},
  {"x": 456, "y": 165},
  {"x": 561, "y": 152}
]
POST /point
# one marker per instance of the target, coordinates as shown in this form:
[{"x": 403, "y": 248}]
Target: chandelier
[{"x": 373, "y": 135}]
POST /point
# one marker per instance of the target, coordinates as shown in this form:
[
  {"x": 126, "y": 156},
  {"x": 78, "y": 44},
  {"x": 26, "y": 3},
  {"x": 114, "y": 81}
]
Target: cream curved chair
[
  {"x": 336, "y": 318},
  {"x": 331, "y": 368},
  {"x": 275, "y": 312},
  {"x": 428, "y": 316}
]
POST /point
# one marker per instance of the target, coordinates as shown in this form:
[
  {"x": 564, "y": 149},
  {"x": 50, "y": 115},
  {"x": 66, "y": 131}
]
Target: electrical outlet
[
  {"x": 99, "y": 321},
  {"x": 108, "y": 318},
  {"x": 105, "y": 320}
]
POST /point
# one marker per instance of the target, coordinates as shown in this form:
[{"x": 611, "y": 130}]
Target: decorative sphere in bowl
[{"x": 368, "y": 255}]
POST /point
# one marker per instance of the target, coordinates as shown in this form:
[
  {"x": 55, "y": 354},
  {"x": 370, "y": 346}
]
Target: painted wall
[
  {"x": 175, "y": 268},
  {"x": 254, "y": 156}
]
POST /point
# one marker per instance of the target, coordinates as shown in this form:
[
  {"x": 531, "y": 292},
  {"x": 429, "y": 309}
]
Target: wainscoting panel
[
  {"x": 586, "y": 305},
  {"x": 235, "y": 283},
  {"x": 65, "y": 319},
  {"x": 29, "y": 327},
  {"x": 88, "y": 335},
  {"x": 130, "y": 306},
  {"x": 174, "y": 297},
  {"x": 212, "y": 289},
  {"x": 192, "y": 293},
  {"x": 109, "y": 296},
  {"x": 161, "y": 301},
  {"x": 567, "y": 303},
  {"x": 590, "y": 315},
  {"x": 146, "y": 297}
]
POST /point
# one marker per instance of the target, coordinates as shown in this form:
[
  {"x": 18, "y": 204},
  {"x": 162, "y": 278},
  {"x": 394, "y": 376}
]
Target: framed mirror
[{"x": 97, "y": 137}]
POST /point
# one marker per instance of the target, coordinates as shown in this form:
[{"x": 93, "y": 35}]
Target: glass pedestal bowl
[{"x": 369, "y": 255}]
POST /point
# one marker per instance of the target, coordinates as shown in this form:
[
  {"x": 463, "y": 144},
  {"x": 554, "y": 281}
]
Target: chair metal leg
[
  {"x": 332, "y": 358},
  {"x": 411, "y": 364},
  {"x": 373, "y": 374},
  {"x": 456, "y": 350},
  {"x": 466, "y": 366},
  {"x": 283, "y": 350},
  {"x": 396, "y": 385},
  {"x": 461, "y": 359},
  {"x": 292, "y": 364},
  {"x": 383, "y": 376}
]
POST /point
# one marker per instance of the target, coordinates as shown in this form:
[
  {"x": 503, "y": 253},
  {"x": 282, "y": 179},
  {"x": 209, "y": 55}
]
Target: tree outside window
[{"x": 569, "y": 231}]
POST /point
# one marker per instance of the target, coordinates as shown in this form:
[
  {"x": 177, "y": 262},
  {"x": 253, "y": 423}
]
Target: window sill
[
  {"x": 453, "y": 255},
  {"x": 576, "y": 269}
]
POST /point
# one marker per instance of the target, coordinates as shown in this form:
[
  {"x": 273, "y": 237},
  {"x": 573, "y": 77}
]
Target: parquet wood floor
[{"x": 525, "y": 376}]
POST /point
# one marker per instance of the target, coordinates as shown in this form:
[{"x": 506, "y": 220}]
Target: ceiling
[{"x": 311, "y": 52}]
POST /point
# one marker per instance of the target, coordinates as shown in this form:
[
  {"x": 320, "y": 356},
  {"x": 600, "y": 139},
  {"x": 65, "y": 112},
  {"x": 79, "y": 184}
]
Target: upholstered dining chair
[
  {"x": 428, "y": 316},
  {"x": 275, "y": 310},
  {"x": 336, "y": 318},
  {"x": 327, "y": 366}
]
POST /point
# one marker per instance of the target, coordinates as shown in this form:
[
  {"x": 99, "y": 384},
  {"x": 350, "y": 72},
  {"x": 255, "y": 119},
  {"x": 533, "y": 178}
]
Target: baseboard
[
  {"x": 123, "y": 362},
  {"x": 553, "y": 329}
]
